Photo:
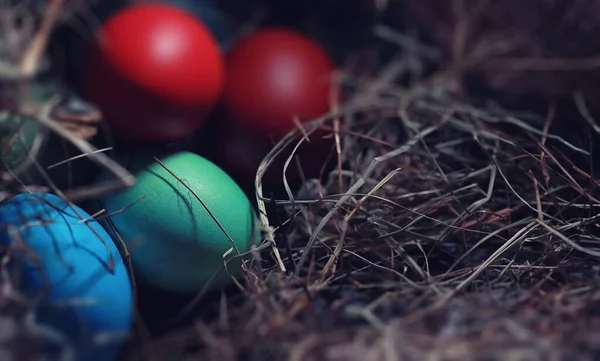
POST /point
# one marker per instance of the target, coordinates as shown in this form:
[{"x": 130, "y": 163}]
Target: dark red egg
[
  {"x": 274, "y": 75},
  {"x": 156, "y": 73}
]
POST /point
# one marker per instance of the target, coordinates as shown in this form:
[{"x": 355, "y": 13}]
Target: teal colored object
[
  {"x": 175, "y": 244},
  {"x": 67, "y": 264},
  {"x": 24, "y": 141},
  {"x": 20, "y": 142}
]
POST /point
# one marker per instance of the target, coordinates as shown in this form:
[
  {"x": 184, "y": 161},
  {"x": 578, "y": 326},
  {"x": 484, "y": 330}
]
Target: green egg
[
  {"x": 24, "y": 141},
  {"x": 21, "y": 140},
  {"x": 174, "y": 242}
]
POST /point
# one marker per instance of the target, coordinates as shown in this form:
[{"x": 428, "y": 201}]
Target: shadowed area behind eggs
[{"x": 159, "y": 309}]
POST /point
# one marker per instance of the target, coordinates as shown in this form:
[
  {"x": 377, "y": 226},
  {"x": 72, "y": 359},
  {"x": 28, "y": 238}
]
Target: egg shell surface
[
  {"x": 20, "y": 139},
  {"x": 174, "y": 243},
  {"x": 74, "y": 266},
  {"x": 156, "y": 74},
  {"x": 222, "y": 26},
  {"x": 273, "y": 76}
]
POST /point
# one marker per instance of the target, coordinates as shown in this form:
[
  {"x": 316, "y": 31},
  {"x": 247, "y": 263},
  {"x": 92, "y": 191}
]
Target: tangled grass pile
[
  {"x": 443, "y": 227},
  {"x": 446, "y": 229}
]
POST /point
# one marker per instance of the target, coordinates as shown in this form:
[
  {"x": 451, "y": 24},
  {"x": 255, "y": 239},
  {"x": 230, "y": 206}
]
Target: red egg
[
  {"x": 274, "y": 75},
  {"x": 157, "y": 73}
]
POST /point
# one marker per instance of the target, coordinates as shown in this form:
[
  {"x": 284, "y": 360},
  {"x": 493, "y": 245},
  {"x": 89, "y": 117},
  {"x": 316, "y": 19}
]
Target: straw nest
[{"x": 444, "y": 226}]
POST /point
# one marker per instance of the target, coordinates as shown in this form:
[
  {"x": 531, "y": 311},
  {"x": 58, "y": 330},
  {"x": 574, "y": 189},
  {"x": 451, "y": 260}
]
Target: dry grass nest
[
  {"x": 446, "y": 231},
  {"x": 448, "y": 228}
]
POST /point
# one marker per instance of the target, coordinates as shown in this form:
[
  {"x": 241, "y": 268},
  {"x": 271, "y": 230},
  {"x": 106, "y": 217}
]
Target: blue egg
[{"x": 75, "y": 270}]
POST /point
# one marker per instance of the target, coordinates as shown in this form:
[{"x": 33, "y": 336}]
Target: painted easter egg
[
  {"x": 74, "y": 44},
  {"x": 21, "y": 140},
  {"x": 274, "y": 75},
  {"x": 166, "y": 220},
  {"x": 156, "y": 74},
  {"x": 24, "y": 141},
  {"x": 76, "y": 269}
]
